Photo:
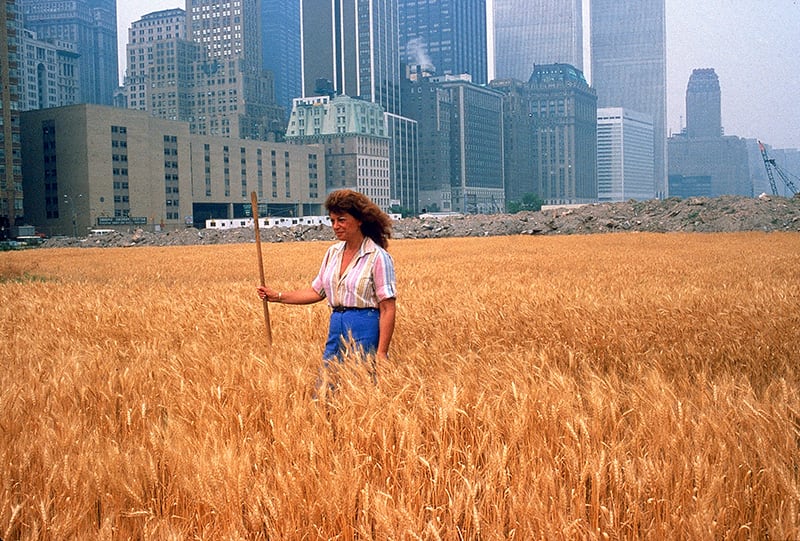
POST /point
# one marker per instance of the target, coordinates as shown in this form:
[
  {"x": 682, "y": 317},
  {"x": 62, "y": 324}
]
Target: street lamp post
[{"x": 71, "y": 202}]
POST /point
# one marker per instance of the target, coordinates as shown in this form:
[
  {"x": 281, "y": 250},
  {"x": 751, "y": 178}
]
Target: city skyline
[{"x": 751, "y": 48}]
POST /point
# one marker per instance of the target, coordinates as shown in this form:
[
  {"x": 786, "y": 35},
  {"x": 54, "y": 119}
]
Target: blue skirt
[{"x": 352, "y": 331}]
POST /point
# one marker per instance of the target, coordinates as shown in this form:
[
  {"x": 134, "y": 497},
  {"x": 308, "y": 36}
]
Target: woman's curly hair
[{"x": 375, "y": 223}]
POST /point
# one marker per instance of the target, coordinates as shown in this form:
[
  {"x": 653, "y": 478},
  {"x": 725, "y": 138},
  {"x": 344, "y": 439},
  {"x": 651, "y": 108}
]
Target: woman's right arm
[{"x": 298, "y": 296}]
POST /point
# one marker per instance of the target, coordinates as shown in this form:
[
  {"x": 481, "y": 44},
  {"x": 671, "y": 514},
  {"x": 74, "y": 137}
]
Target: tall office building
[
  {"x": 404, "y": 175},
  {"x": 702, "y": 161},
  {"x": 50, "y": 73},
  {"x": 227, "y": 29},
  {"x": 233, "y": 95},
  {"x": 519, "y": 137},
  {"x": 203, "y": 69},
  {"x": 91, "y": 27},
  {"x": 528, "y": 32},
  {"x": 355, "y": 45},
  {"x": 564, "y": 112},
  {"x": 280, "y": 23},
  {"x": 431, "y": 106},
  {"x": 628, "y": 41},
  {"x": 476, "y": 146},
  {"x": 703, "y": 104},
  {"x": 10, "y": 144},
  {"x": 351, "y": 48},
  {"x": 624, "y": 155},
  {"x": 446, "y": 37},
  {"x": 161, "y": 60},
  {"x": 460, "y": 143}
]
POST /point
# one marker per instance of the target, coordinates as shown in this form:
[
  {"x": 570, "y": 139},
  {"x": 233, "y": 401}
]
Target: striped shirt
[{"x": 367, "y": 280}]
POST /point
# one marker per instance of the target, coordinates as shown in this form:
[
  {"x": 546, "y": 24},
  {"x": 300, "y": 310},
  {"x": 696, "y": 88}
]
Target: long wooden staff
[{"x": 254, "y": 203}]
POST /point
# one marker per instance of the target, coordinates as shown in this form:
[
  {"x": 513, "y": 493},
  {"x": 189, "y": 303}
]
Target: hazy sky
[{"x": 754, "y": 47}]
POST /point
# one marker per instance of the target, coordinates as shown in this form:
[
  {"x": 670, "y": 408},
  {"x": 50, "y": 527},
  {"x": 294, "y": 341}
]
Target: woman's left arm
[{"x": 388, "y": 309}]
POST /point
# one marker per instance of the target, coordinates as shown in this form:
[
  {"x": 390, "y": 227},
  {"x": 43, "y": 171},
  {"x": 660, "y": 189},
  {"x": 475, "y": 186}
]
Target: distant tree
[
  {"x": 529, "y": 202},
  {"x": 405, "y": 212}
]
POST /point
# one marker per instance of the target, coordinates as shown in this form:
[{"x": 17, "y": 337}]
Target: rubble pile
[{"x": 695, "y": 214}]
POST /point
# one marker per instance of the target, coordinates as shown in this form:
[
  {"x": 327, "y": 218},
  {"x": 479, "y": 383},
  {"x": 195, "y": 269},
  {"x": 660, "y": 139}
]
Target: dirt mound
[{"x": 696, "y": 214}]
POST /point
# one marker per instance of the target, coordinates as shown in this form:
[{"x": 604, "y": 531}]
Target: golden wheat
[{"x": 600, "y": 387}]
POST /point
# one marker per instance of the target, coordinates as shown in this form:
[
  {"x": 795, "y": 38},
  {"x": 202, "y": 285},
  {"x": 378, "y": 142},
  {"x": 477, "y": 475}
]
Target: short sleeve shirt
[{"x": 367, "y": 280}]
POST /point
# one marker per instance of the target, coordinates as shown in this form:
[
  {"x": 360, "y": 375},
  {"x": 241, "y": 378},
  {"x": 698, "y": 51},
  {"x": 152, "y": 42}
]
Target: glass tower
[
  {"x": 629, "y": 61},
  {"x": 446, "y": 37},
  {"x": 280, "y": 22},
  {"x": 355, "y": 45},
  {"x": 528, "y": 32}
]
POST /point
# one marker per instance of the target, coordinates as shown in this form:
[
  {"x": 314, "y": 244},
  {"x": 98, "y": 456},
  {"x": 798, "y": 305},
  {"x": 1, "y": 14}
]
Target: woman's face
[{"x": 346, "y": 227}]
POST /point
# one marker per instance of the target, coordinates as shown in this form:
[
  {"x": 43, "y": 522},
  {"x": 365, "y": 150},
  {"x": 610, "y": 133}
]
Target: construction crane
[{"x": 770, "y": 164}]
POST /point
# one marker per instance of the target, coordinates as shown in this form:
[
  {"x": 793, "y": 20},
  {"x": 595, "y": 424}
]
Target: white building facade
[{"x": 625, "y": 164}]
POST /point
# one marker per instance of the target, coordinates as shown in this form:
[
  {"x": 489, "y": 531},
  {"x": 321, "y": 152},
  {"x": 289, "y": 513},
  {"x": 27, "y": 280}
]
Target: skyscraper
[
  {"x": 628, "y": 39},
  {"x": 228, "y": 29},
  {"x": 91, "y": 27},
  {"x": 703, "y": 104},
  {"x": 519, "y": 139},
  {"x": 447, "y": 37},
  {"x": 476, "y": 145},
  {"x": 355, "y": 45},
  {"x": 11, "y": 160},
  {"x": 161, "y": 61},
  {"x": 564, "y": 111},
  {"x": 528, "y": 32},
  {"x": 49, "y": 74},
  {"x": 280, "y": 24},
  {"x": 234, "y": 95},
  {"x": 431, "y": 106},
  {"x": 624, "y": 155}
]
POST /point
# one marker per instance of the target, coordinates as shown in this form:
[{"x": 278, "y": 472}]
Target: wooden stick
[{"x": 254, "y": 203}]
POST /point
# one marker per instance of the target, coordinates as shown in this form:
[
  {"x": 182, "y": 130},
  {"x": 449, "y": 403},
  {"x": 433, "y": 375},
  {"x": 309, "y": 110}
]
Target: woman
[{"x": 356, "y": 277}]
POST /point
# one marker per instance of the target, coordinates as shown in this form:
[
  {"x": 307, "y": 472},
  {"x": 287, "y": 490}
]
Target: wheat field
[{"x": 622, "y": 386}]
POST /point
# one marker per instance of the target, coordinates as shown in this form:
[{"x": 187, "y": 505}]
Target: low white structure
[{"x": 267, "y": 223}]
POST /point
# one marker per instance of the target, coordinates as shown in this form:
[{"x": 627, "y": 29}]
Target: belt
[{"x": 350, "y": 308}]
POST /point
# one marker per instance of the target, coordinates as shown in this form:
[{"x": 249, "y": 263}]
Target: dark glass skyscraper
[
  {"x": 354, "y": 44},
  {"x": 703, "y": 104},
  {"x": 280, "y": 24},
  {"x": 528, "y": 32},
  {"x": 629, "y": 62},
  {"x": 91, "y": 27},
  {"x": 447, "y": 37}
]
